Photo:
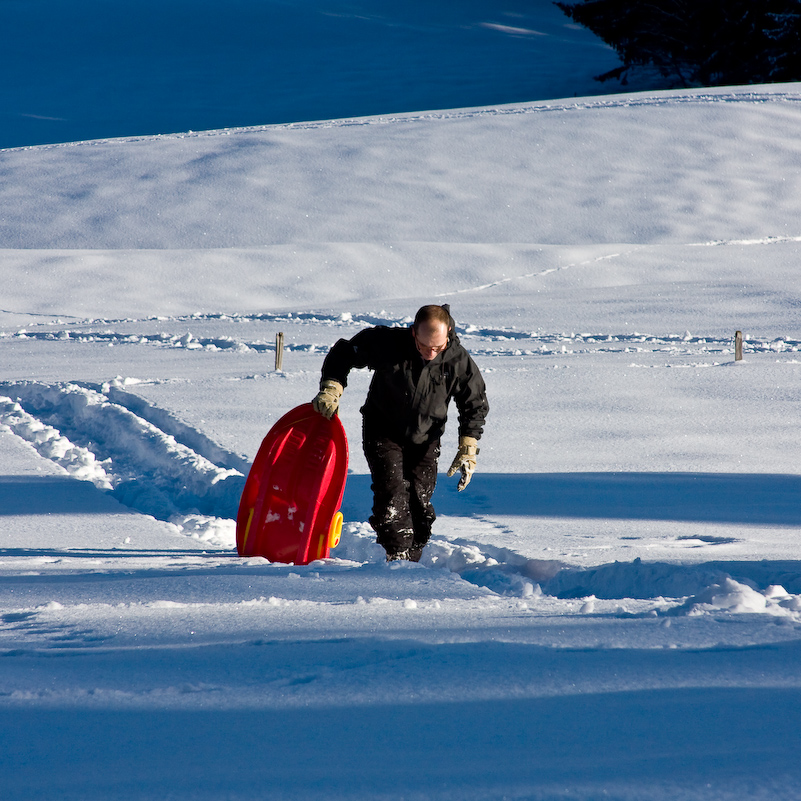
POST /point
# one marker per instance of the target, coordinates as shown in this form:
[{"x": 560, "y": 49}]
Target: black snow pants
[{"x": 404, "y": 477}]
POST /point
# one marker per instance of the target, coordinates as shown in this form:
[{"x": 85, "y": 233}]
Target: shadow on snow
[
  {"x": 680, "y": 740},
  {"x": 746, "y": 499},
  {"x": 62, "y": 495}
]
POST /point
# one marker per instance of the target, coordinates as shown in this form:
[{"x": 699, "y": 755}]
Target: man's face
[{"x": 430, "y": 339}]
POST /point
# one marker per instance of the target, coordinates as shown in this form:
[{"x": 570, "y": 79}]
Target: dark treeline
[{"x": 698, "y": 42}]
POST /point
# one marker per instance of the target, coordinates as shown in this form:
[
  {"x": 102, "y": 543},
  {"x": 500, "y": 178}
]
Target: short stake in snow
[
  {"x": 738, "y": 346},
  {"x": 279, "y": 351}
]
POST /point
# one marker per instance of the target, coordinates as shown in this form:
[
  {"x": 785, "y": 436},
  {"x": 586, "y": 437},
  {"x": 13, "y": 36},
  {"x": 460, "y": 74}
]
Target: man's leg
[
  {"x": 391, "y": 518},
  {"x": 420, "y": 468}
]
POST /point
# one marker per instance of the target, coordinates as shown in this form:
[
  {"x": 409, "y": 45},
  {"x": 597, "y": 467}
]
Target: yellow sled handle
[{"x": 335, "y": 530}]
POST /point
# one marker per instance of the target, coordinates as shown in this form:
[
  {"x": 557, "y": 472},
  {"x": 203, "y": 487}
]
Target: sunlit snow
[{"x": 613, "y": 607}]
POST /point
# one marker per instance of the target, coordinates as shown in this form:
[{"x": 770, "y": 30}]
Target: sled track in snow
[
  {"x": 157, "y": 465},
  {"x": 143, "y": 456}
]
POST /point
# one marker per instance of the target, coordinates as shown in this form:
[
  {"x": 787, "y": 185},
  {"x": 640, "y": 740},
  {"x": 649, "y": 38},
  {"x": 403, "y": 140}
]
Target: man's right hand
[{"x": 326, "y": 402}]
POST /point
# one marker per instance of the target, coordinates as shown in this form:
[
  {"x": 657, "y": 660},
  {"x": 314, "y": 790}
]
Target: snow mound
[
  {"x": 48, "y": 441},
  {"x": 738, "y": 598},
  {"x": 144, "y": 467}
]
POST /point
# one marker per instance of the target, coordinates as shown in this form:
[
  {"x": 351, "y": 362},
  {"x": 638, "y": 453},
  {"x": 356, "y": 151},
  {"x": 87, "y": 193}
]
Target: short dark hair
[{"x": 432, "y": 314}]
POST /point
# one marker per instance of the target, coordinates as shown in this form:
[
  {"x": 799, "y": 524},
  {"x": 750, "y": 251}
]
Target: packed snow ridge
[{"x": 96, "y": 439}]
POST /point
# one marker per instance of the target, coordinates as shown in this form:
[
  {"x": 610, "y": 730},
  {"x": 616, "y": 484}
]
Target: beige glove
[
  {"x": 465, "y": 460},
  {"x": 326, "y": 402}
]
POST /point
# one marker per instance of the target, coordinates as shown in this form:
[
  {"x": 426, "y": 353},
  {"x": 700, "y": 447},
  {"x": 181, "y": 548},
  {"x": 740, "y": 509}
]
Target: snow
[
  {"x": 98, "y": 69},
  {"x": 613, "y": 606}
]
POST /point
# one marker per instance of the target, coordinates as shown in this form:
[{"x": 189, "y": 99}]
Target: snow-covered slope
[
  {"x": 612, "y": 607},
  {"x": 626, "y": 169},
  {"x": 96, "y": 69}
]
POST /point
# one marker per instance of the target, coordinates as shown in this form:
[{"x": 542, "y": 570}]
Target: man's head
[{"x": 430, "y": 330}]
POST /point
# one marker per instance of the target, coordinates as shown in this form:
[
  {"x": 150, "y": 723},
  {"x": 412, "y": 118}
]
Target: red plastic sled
[{"x": 289, "y": 511}]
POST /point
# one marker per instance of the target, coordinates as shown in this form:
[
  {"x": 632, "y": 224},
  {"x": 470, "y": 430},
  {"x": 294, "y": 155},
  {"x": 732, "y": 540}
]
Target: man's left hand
[{"x": 465, "y": 461}]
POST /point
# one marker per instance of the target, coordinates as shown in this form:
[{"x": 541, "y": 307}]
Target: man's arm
[
  {"x": 471, "y": 400},
  {"x": 341, "y": 359}
]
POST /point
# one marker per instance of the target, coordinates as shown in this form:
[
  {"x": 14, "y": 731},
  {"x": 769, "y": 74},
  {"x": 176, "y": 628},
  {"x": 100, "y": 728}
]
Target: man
[{"x": 417, "y": 370}]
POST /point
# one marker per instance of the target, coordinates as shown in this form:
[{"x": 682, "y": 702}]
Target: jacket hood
[{"x": 452, "y": 336}]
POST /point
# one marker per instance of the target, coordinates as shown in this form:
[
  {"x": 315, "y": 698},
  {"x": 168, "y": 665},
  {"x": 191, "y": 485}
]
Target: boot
[{"x": 415, "y": 552}]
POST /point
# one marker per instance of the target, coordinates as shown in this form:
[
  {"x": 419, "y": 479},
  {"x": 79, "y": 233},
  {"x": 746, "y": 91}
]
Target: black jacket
[{"x": 408, "y": 397}]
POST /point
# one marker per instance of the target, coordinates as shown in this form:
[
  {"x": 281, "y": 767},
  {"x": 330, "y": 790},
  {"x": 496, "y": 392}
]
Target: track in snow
[
  {"x": 144, "y": 457},
  {"x": 158, "y": 465},
  {"x": 174, "y": 332}
]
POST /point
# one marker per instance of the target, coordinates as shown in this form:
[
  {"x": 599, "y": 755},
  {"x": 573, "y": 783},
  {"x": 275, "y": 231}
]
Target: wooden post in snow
[
  {"x": 738, "y": 346},
  {"x": 279, "y": 351}
]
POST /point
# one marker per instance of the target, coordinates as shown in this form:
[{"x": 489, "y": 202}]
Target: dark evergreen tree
[{"x": 699, "y": 42}]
